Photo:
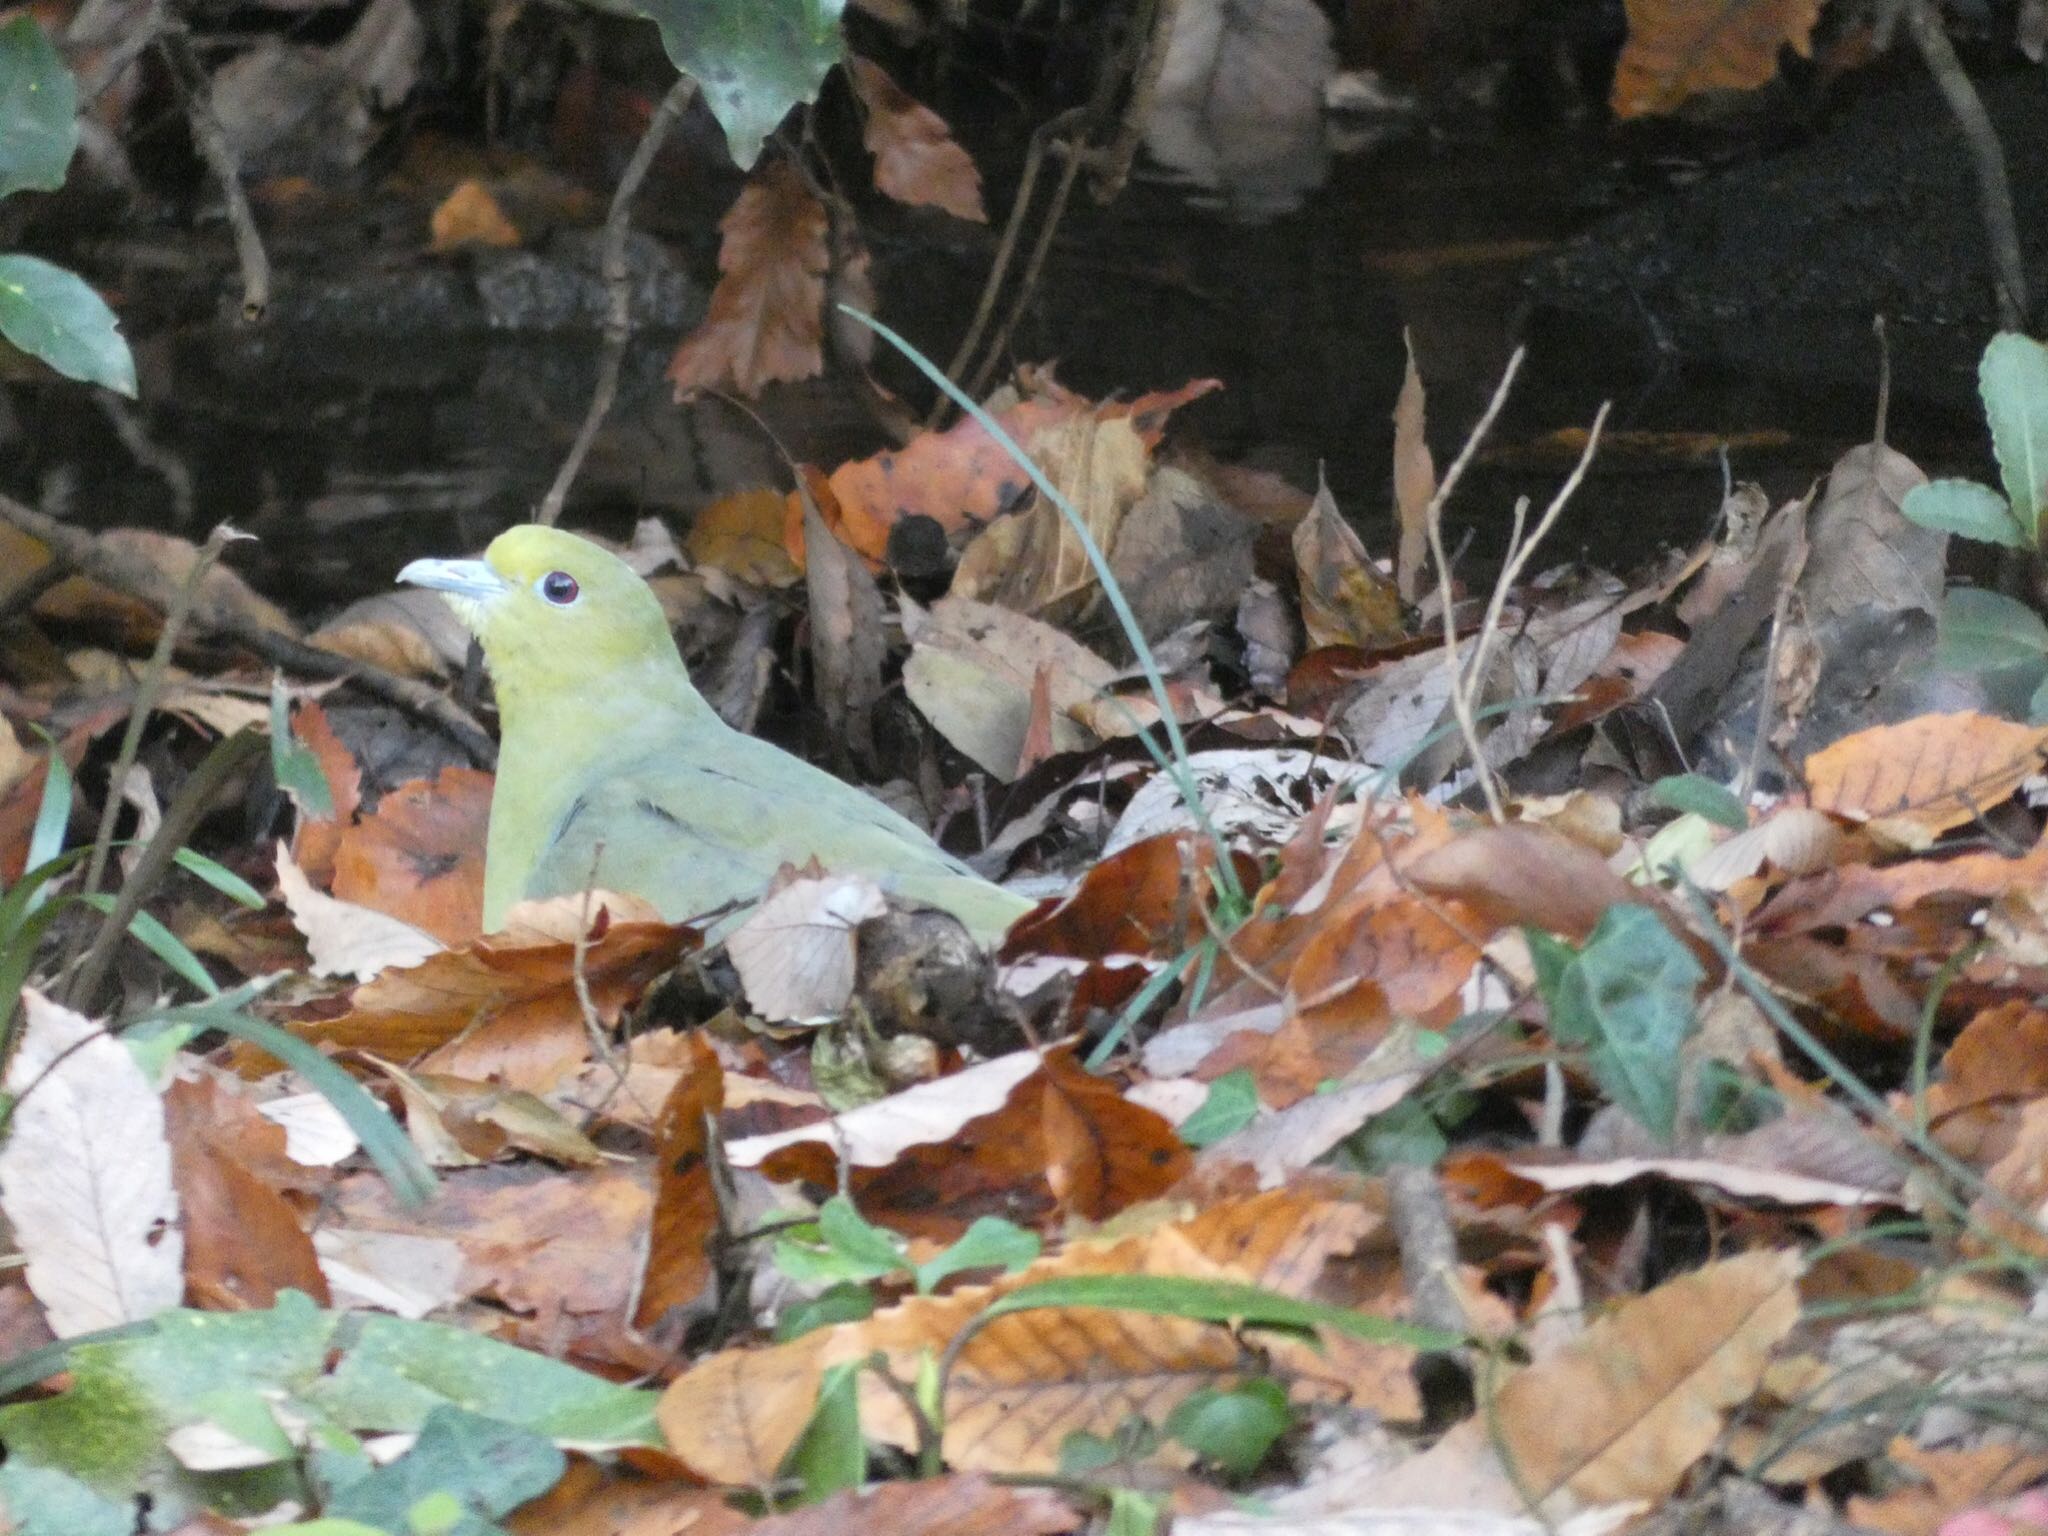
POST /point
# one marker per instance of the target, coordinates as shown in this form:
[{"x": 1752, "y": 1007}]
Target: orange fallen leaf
[
  {"x": 685, "y": 1194},
  {"x": 1678, "y": 48},
  {"x": 1912, "y": 781},
  {"x": 470, "y": 215},
  {"x": 420, "y": 856}
]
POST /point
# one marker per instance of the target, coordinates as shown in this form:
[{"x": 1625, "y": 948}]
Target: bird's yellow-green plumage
[{"x": 615, "y": 773}]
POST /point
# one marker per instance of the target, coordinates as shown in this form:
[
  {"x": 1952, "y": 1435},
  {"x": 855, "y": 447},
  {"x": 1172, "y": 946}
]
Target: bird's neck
[{"x": 565, "y": 729}]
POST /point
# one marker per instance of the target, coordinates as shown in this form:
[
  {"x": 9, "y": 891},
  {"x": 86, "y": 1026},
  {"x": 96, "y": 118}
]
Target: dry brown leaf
[
  {"x": 315, "y": 838},
  {"x": 1997, "y": 1064},
  {"x": 917, "y": 160},
  {"x": 960, "y": 1505},
  {"x": 962, "y": 478},
  {"x": 741, "y": 534},
  {"x": 470, "y": 215},
  {"x": 597, "y": 1499},
  {"x": 343, "y": 938},
  {"x": 1952, "y": 1481},
  {"x": 1913, "y": 781},
  {"x": 1623, "y": 1413},
  {"x": 766, "y": 322},
  {"x": 849, "y": 642},
  {"x": 685, "y": 1219},
  {"x": 1025, "y": 1382},
  {"x": 506, "y": 1007},
  {"x": 1414, "y": 479},
  {"x": 243, "y": 1240},
  {"x": 1033, "y": 560},
  {"x": 1678, "y": 48},
  {"x": 1345, "y": 598},
  {"x": 972, "y": 672}
]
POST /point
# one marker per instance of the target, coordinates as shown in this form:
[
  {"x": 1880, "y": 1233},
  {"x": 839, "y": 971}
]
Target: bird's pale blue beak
[{"x": 470, "y": 580}]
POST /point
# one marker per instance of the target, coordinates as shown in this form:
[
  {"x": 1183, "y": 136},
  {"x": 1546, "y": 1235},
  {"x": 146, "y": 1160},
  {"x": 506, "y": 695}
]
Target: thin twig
[
  {"x": 1428, "y": 1246},
  {"x": 1766, "y": 698},
  {"x": 1021, "y": 299},
  {"x": 192, "y": 803},
  {"x": 612, "y": 267},
  {"x": 1987, "y": 159},
  {"x": 1433, "y": 520},
  {"x": 147, "y": 689},
  {"x": 1112, "y": 164},
  {"x": 141, "y": 579},
  {"x": 212, "y": 142}
]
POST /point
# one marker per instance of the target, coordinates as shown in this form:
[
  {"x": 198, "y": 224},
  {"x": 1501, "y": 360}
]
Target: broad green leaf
[
  {"x": 40, "y": 1501},
  {"x": 990, "y": 1243},
  {"x": 2013, "y": 379},
  {"x": 398, "y": 1372},
  {"x": 1965, "y": 508},
  {"x": 38, "y": 110},
  {"x": 1212, "y": 1301},
  {"x": 462, "y": 1472},
  {"x": 1407, "y": 1133},
  {"x": 753, "y": 59},
  {"x": 1232, "y": 1104},
  {"x": 1702, "y": 797},
  {"x": 1981, "y": 631},
  {"x": 1232, "y": 1429},
  {"x": 828, "y": 1456},
  {"x": 1626, "y": 999},
  {"x": 2037, "y": 711},
  {"x": 840, "y": 1245},
  {"x": 52, "y": 314},
  {"x": 128, "y": 1393},
  {"x": 1135, "y": 1512}
]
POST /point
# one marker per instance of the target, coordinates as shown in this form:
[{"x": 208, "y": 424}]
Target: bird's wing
[{"x": 692, "y": 836}]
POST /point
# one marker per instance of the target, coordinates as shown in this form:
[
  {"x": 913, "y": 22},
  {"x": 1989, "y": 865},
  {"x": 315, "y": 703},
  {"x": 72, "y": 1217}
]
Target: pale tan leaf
[
  {"x": 795, "y": 952},
  {"x": 1678, "y": 48},
  {"x": 1414, "y": 479},
  {"x": 343, "y": 938},
  {"x": 875, "y": 1134},
  {"x": 1345, "y": 598},
  {"x": 85, "y": 1176}
]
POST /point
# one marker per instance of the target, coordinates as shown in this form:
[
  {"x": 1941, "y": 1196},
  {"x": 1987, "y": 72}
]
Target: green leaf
[
  {"x": 39, "y": 1501},
  {"x": 990, "y": 1243},
  {"x": 53, "y": 815},
  {"x": 1965, "y": 508},
  {"x": 753, "y": 59},
  {"x": 1701, "y": 796},
  {"x": 829, "y": 1456},
  {"x": 1212, "y": 1301},
  {"x": 226, "y": 881},
  {"x": 38, "y": 110},
  {"x": 847, "y": 1302},
  {"x": 2037, "y": 711},
  {"x": 1135, "y": 1512},
  {"x": 840, "y": 1245},
  {"x": 1626, "y": 999},
  {"x": 293, "y": 763},
  {"x": 1232, "y": 1104},
  {"x": 1406, "y": 1133},
  {"x": 2013, "y": 379},
  {"x": 398, "y": 1372},
  {"x": 153, "y": 936},
  {"x": 1981, "y": 631},
  {"x": 463, "y": 1470},
  {"x": 52, "y": 314},
  {"x": 388, "y": 1146},
  {"x": 1232, "y": 1429}
]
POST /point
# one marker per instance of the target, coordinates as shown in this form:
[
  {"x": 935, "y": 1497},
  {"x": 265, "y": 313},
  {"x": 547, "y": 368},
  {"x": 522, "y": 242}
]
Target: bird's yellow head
[{"x": 554, "y": 613}]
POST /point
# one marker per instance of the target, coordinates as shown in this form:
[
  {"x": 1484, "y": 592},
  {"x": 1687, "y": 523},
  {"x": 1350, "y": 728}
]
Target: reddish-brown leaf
[
  {"x": 1915, "y": 780},
  {"x": 315, "y": 842},
  {"x": 766, "y": 323},
  {"x": 685, "y": 1193},
  {"x": 916, "y": 159},
  {"x": 243, "y": 1240}
]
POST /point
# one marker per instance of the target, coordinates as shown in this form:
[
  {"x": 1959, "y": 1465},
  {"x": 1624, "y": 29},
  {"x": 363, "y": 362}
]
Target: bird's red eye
[{"x": 559, "y": 588}]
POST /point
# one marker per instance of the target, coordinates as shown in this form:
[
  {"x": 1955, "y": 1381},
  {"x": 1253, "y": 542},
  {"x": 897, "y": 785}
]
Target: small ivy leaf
[
  {"x": 1967, "y": 509},
  {"x": 1981, "y": 631},
  {"x": 2013, "y": 379},
  {"x": 52, "y": 314}
]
